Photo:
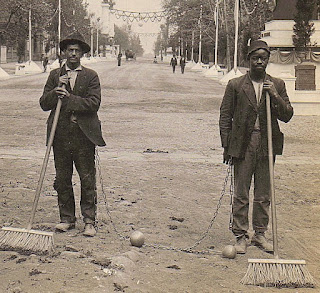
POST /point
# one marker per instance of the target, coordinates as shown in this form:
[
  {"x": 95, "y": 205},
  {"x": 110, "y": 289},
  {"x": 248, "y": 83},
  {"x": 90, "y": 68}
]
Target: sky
[{"x": 143, "y": 28}]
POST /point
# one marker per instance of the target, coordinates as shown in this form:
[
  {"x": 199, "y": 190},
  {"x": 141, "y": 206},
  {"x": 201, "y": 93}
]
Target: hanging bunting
[{"x": 139, "y": 16}]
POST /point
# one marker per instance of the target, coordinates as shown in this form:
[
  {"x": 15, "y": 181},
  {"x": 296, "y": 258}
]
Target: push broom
[
  {"x": 27, "y": 240},
  {"x": 276, "y": 272}
]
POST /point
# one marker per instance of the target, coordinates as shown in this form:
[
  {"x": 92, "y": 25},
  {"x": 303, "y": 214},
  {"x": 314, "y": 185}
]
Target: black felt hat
[
  {"x": 256, "y": 45},
  {"x": 75, "y": 38}
]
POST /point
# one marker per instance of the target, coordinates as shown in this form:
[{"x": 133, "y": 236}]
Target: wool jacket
[
  {"x": 83, "y": 103},
  {"x": 239, "y": 111}
]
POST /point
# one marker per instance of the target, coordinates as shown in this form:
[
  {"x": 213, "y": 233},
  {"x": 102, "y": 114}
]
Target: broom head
[
  {"x": 26, "y": 241},
  {"x": 278, "y": 273}
]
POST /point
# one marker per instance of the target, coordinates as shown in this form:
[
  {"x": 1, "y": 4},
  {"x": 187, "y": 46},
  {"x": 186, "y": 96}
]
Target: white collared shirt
[
  {"x": 73, "y": 77},
  {"x": 258, "y": 87},
  {"x": 73, "y": 73}
]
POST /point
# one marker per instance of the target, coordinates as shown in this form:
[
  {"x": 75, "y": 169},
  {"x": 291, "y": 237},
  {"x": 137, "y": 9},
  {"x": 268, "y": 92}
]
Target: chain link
[
  {"x": 98, "y": 165},
  {"x": 231, "y": 194},
  {"x": 190, "y": 249}
]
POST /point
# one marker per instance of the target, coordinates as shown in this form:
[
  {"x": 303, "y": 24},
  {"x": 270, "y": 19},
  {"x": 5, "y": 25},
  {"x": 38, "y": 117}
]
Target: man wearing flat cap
[
  {"x": 77, "y": 134},
  {"x": 243, "y": 131}
]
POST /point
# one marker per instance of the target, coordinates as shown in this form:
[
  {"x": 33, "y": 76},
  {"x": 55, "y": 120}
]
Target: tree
[
  {"x": 15, "y": 15},
  {"x": 135, "y": 45},
  {"x": 303, "y": 27},
  {"x": 183, "y": 17},
  {"x": 74, "y": 16},
  {"x": 121, "y": 37},
  {"x": 127, "y": 40}
]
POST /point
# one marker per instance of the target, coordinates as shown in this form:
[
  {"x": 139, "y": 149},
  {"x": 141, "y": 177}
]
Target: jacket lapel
[{"x": 248, "y": 89}]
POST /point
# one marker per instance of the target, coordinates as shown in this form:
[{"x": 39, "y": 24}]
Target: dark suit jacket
[
  {"x": 83, "y": 102},
  {"x": 238, "y": 113}
]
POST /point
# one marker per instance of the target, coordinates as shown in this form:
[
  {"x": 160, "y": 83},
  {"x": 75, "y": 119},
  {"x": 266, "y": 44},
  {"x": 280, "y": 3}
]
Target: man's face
[
  {"x": 73, "y": 54},
  {"x": 258, "y": 61}
]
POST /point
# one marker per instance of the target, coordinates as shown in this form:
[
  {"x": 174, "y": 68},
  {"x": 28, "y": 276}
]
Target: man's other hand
[{"x": 226, "y": 156}]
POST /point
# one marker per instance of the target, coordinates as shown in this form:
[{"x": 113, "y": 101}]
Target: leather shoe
[
  {"x": 64, "y": 227},
  {"x": 241, "y": 244},
  {"x": 89, "y": 230},
  {"x": 260, "y": 240}
]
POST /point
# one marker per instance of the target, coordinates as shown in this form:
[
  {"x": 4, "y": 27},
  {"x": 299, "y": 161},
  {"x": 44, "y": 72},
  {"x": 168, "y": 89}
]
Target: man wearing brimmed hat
[
  {"x": 243, "y": 131},
  {"x": 78, "y": 132}
]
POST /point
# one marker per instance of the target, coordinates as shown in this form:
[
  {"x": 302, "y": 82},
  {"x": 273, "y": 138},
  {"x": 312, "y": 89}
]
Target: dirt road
[{"x": 162, "y": 174}]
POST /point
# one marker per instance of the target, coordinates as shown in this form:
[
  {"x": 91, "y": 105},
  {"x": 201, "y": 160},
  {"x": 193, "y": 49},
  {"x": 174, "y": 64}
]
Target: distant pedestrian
[
  {"x": 45, "y": 63},
  {"x": 155, "y": 59},
  {"x": 119, "y": 59},
  {"x": 174, "y": 63},
  {"x": 182, "y": 64}
]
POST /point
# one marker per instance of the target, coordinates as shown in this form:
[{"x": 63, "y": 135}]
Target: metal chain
[
  {"x": 190, "y": 249},
  {"x": 98, "y": 165},
  {"x": 231, "y": 194}
]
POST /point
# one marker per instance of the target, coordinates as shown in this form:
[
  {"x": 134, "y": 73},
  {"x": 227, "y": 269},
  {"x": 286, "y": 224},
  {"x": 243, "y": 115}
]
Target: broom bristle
[
  {"x": 288, "y": 275},
  {"x": 26, "y": 241}
]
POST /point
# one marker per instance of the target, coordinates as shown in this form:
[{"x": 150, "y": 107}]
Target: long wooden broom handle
[
  {"x": 271, "y": 175},
  {"x": 45, "y": 163}
]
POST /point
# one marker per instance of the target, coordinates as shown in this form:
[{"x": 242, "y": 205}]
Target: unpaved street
[{"x": 162, "y": 174}]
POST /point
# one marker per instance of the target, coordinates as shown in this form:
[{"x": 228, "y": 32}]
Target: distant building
[{"x": 279, "y": 31}]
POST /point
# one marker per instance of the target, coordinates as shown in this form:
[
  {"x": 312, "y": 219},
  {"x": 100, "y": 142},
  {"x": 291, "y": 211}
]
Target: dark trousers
[
  {"x": 257, "y": 166},
  {"x": 73, "y": 147},
  {"x": 173, "y": 68},
  {"x": 182, "y": 69}
]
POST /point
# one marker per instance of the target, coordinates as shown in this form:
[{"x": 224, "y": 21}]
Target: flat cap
[{"x": 256, "y": 45}]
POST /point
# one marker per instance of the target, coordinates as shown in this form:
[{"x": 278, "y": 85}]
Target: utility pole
[
  {"x": 217, "y": 36},
  {"x": 59, "y": 25},
  {"x": 91, "y": 35},
  {"x": 192, "y": 45},
  {"x": 30, "y": 37},
  {"x": 227, "y": 33},
  {"x": 98, "y": 19},
  {"x": 200, "y": 36},
  {"x": 235, "y": 72},
  {"x": 236, "y": 35},
  {"x": 214, "y": 70}
]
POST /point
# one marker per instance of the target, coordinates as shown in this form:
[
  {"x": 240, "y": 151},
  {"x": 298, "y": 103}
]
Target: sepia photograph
[{"x": 159, "y": 146}]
